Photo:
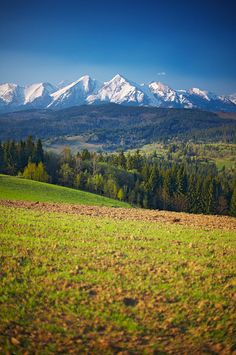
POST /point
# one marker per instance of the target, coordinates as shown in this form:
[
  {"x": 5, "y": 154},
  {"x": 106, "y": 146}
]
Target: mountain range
[{"x": 119, "y": 90}]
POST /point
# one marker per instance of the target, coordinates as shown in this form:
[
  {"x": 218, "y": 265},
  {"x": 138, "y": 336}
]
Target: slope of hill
[
  {"x": 115, "y": 126},
  {"x": 99, "y": 285},
  {"x": 14, "y": 188}
]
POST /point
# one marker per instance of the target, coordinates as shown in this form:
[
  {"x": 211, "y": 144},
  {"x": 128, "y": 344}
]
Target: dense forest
[
  {"x": 143, "y": 180},
  {"x": 115, "y": 127}
]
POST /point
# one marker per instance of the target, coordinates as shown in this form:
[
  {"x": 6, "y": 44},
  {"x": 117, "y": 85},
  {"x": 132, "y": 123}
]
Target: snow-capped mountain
[
  {"x": 118, "y": 90},
  {"x": 38, "y": 95},
  {"x": 167, "y": 97},
  {"x": 232, "y": 98},
  {"x": 209, "y": 101},
  {"x": 62, "y": 84},
  {"x": 11, "y": 96},
  {"x": 74, "y": 94},
  {"x": 14, "y": 97},
  {"x": 121, "y": 91}
]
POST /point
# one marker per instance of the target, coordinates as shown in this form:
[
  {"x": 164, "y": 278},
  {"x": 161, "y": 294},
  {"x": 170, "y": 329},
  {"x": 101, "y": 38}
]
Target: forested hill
[
  {"x": 114, "y": 126},
  {"x": 141, "y": 180}
]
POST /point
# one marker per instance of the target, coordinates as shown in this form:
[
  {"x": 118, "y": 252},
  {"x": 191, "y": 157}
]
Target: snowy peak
[
  {"x": 11, "y": 94},
  {"x": 80, "y": 84},
  {"x": 232, "y": 98},
  {"x": 207, "y": 100},
  {"x": 169, "y": 97},
  {"x": 121, "y": 91},
  {"x": 157, "y": 86},
  {"x": 39, "y": 90},
  {"x": 75, "y": 93},
  {"x": 200, "y": 93},
  {"x": 118, "y": 90},
  {"x": 117, "y": 79},
  {"x": 163, "y": 93}
]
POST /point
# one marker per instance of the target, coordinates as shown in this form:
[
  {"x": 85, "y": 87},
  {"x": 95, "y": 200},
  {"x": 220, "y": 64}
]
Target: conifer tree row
[{"x": 143, "y": 180}]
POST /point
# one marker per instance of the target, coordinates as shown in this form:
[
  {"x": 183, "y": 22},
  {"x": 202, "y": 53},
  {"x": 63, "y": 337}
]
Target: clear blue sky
[{"x": 192, "y": 42}]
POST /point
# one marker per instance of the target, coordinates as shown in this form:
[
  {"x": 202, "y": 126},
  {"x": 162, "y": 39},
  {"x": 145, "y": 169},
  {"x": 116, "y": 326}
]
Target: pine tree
[
  {"x": 181, "y": 181},
  {"x": 166, "y": 190},
  {"x": 30, "y": 147},
  {"x": 129, "y": 162},
  {"x": 153, "y": 180},
  {"x": 145, "y": 172},
  {"x": 145, "y": 201},
  {"x": 137, "y": 160},
  {"x": 132, "y": 197},
  {"x": 1, "y": 158},
  {"x": 122, "y": 160},
  {"x": 38, "y": 152},
  {"x": 22, "y": 155},
  {"x": 210, "y": 199},
  {"x": 233, "y": 203},
  {"x": 192, "y": 195},
  {"x": 10, "y": 158},
  {"x": 85, "y": 155}
]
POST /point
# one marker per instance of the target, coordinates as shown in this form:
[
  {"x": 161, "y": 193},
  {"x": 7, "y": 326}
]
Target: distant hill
[{"x": 113, "y": 126}]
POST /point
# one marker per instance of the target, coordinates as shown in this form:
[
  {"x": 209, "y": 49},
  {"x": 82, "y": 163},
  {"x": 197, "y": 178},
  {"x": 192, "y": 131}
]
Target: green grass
[
  {"x": 78, "y": 284},
  {"x": 14, "y": 188},
  {"x": 225, "y": 162}
]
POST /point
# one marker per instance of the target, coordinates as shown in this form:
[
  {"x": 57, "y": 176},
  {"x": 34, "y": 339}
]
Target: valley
[{"x": 114, "y": 127}]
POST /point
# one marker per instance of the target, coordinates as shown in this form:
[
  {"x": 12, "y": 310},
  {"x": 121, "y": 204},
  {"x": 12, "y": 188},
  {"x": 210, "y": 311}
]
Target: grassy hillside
[
  {"x": 80, "y": 284},
  {"x": 14, "y": 188}
]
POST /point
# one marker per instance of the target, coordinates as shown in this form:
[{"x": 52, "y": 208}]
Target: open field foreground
[{"x": 95, "y": 284}]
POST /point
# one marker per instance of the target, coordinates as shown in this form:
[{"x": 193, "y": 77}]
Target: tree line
[{"x": 142, "y": 180}]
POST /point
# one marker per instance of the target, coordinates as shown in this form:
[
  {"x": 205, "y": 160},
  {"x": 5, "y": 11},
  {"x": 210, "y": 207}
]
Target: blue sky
[{"x": 181, "y": 43}]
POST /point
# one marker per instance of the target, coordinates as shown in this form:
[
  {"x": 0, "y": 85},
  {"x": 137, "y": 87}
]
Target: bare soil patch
[{"x": 198, "y": 221}]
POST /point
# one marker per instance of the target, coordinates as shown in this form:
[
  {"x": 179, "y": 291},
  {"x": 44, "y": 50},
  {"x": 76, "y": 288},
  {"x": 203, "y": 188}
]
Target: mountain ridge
[{"x": 119, "y": 90}]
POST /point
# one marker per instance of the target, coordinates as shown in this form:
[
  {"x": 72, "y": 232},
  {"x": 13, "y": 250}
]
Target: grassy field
[
  {"x": 80, "y": 284},
  {"x": 75, "y": 143},
  {"x": 13, "y": 188}
]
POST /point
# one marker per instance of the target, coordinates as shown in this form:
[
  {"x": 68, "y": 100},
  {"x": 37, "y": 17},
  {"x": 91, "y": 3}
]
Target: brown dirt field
[{"x": 134, "y": 214}]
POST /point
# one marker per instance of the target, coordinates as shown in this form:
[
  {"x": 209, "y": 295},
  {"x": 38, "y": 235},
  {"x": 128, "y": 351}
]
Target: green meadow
[
  {"x": 14, "y": 188},
  {"x": 79, "y": 284}
]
